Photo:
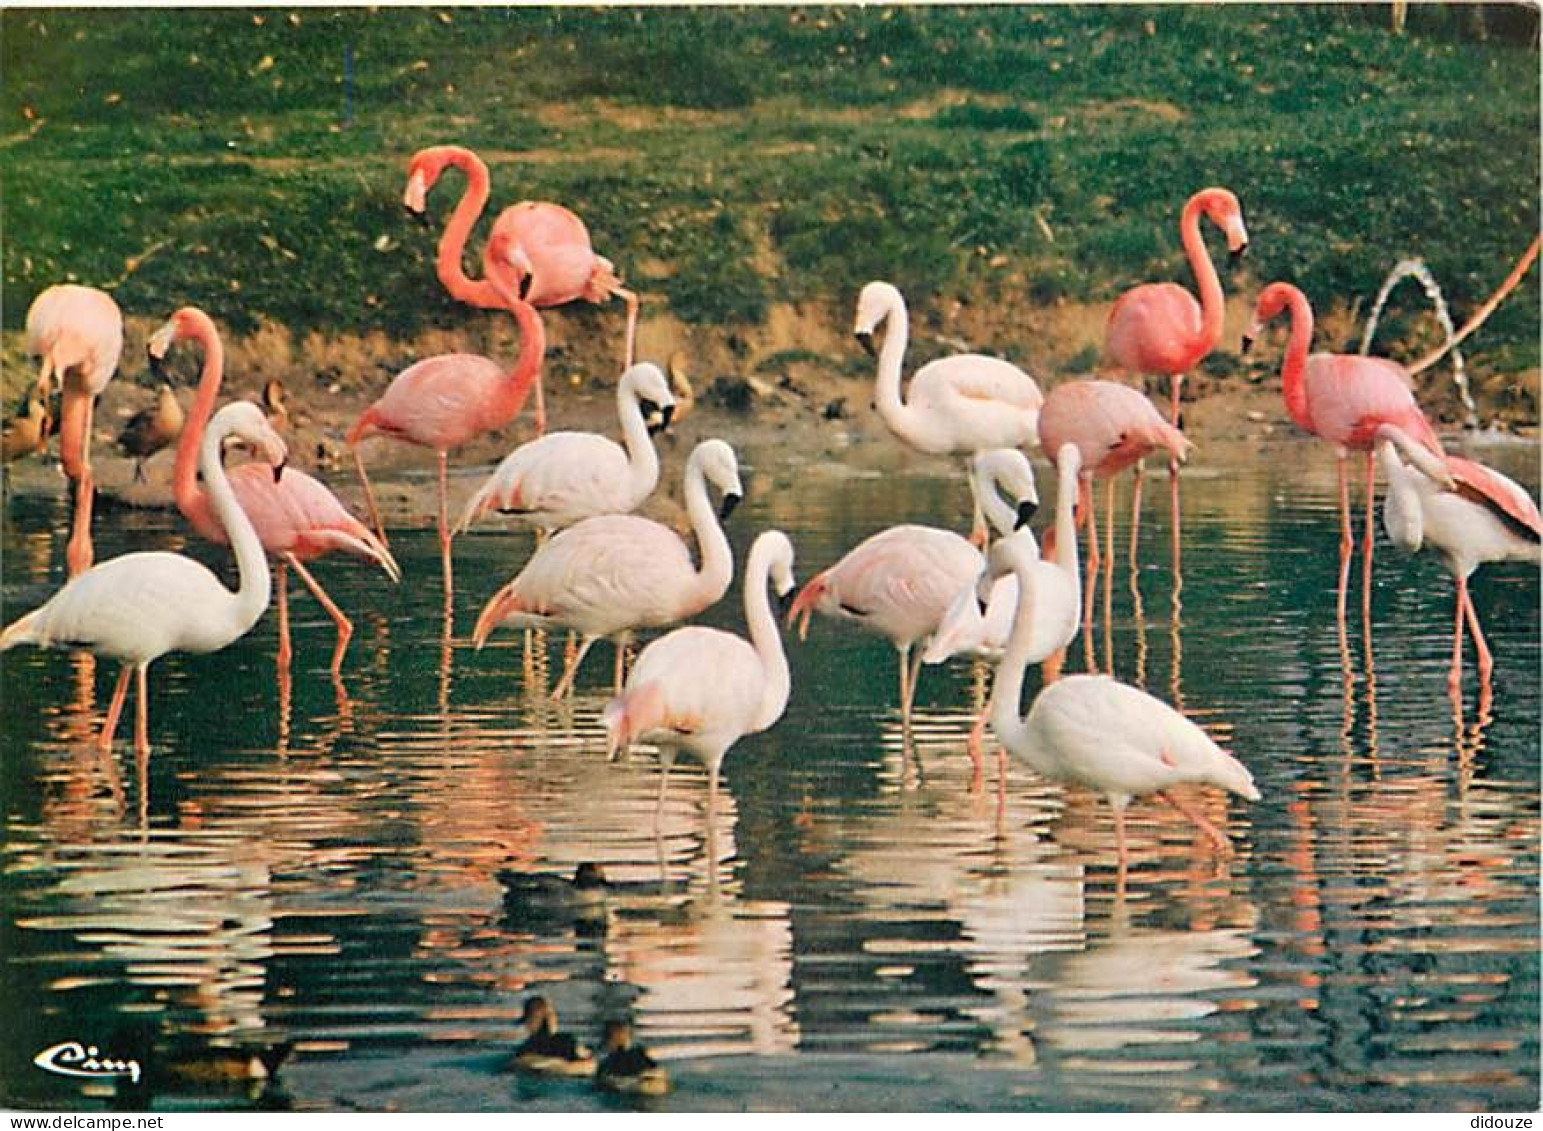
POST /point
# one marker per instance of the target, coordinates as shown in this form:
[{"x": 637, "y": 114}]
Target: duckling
[
  {"x": 27, "y": 432},
  {"x": 680, "y": 385},
  {"x": 627, "y": 1068},
  {"x": 219, "y": 1066},
  {"x": 546, "y": 1051},
  {"x": 542, "y": 895},
  {"x": 151, "y": 429},
  {"x": 272, "y": 402}
]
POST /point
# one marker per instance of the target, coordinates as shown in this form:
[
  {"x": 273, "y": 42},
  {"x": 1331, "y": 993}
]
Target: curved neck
[
  {"x": 448, "y": 262},
  {"x": 764, "y": 636},
  {"x": 1065, "y": 559},
  {"x": 642, "y": 459},
  {"x": 252, "y": 594},
  {"x": 527, "y": 367},
  {"x": 717, "y": 556},
  {"x": 886, "y": 388},
  {"x": 198, "y": 326},
  {"x": 1007, "y": 691},
  {"x": 1293, "y": 370},
  {"x": 988, "y": 494},
  {"x": 1211, "y": 310}
]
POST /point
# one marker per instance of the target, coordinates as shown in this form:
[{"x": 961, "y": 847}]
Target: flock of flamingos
[{"x": 602, "y": 572}]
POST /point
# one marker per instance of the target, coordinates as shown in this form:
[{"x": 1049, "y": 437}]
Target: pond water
[{"x": 858, "y": 927}]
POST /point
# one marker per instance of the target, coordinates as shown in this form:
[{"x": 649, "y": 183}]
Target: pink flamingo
[
  {"x": 958, "y": 405},
  {"x": 613, "y": 574},
  {"x": 562, "y": 477},
  {"x": 78, "y": 331},
  {"x": 700, "y": 690},
  {"x": 442, "y": 402},
  {"x": 138, "y": 607},
  {"x": 297, "y": 518},
  {"x": 1159, "y": 327},
  {"x": 1113, "y": 426},
  {"x": 551, "y": 261},
  {"x": 1345, "y": 399},
  {"x": 896, "y": 584},
  {"x": 1469, "y": 514}
]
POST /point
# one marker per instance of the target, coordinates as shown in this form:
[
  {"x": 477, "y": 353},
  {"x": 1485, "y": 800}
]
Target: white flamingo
[
  {"x": 700, "y": 690},
  {"x": 1094, "y": 731},
  {"x": 138, "y": 607},
  {"x": 78, "y": 332},
  {"x": 957, "y": 405},
  {"x": 980, "y": 619},
  {"x": 555, "y": 481},
  {"x": 1468, "y": 513},
  {"x": 612, "y": 574}
]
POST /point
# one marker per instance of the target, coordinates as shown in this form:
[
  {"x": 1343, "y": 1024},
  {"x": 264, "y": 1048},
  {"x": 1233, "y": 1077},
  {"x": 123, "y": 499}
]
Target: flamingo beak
[
  {"x": 415, "y": 197},
  {"x": 658, "y": 416},
  {"x": 784, "y": 602},
  {"x": 1026, "y": 510},
  {"x": 526, "y": 282},
  {"x": 1234, "y": 254},
  {"x": 726, "y": 508},
  {"x": 278, "y": 469},
  {"x": 1247, "y": 344},
  {"x": 865, "y": 339}
]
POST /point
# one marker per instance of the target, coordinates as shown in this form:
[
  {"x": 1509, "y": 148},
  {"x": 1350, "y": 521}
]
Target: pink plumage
[{"x": 1112, "y": 425}]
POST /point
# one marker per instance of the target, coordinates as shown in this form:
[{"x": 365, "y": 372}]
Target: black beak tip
[
  {"x": 1237, "y": 253},
  {"x": 784, "y": 603},
  {"x": 278, "y": 470},
  {"x": 525, "y": 284},
  {"x": 866, "y": 341},
  {"x": 730, "y": 501},
  {"x": 1026, "y": 511},
  {"x": 1247, "y": 344}
]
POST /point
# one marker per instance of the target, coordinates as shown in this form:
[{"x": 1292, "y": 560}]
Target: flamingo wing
[
  {"x": 440, "y": 402},
  {"x": 1489, "y": 488},
  {"x": 1154, "y": 328},
  {"x": 609, "y": 573}
]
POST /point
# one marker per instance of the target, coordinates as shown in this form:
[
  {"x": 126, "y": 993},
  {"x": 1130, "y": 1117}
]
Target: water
[{"x": 858, "y": 928}]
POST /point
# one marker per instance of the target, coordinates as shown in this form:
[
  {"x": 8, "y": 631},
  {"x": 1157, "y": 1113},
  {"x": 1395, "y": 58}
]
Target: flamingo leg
[
  {"x": 1121, "y": 848},
  {"x": 1368, "y": 538},
  {"x": 1175, "y": 383},
  {"x": 1346, "y": 541},
  {"x": 141, "y": 710},
  {"x": 1109, "y": 575},
  {"x": 1135, "y": 512},
  {"x": 1486, "y": 660},
  {"x": 975, "y": 744},
  {"x": 281, "y": 592},
  {"x": 1091, "y": 573},
  {"x": 344, "y": 625},
  {"x": 1217, "y": 838},
  {"x": 369, "y": 500},
  {"x": 619, "y": 674},
  {"x": 78, "y": 553},
  {"x": 444, "y": 522},
  {"x": 115, "y": 708},
  {"x": 915, "y": 677},
  {"x": 570, "y": 670}
]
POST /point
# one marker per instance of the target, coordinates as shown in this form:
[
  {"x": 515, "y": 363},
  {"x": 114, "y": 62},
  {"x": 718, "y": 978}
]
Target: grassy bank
[{"x": 729, "y": 159}]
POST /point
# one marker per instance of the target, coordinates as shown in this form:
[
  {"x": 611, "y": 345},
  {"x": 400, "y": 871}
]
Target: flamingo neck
[
  {"x": 1001, "y": 517},
  {"x": 1066, "y": 490},
  {"x": 190, "y": 498},
  {"x": 717, "y": 556},
  {"x": 527, "y": 367},
  {"x": 764, "y": 636},
  {"x": 449, "y": 263},
  {"x": 1211, "y": 309},
  {"x": 886, "y": 389},
  {"x": 1007, "y": 692},
  {"x": 253, "y": 591},
  {"x": 642, "y": 459},
  {"x": 1293, "y": 370}
]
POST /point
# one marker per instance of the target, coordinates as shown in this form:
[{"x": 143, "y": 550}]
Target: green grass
[{"x": 729, "y": 158}]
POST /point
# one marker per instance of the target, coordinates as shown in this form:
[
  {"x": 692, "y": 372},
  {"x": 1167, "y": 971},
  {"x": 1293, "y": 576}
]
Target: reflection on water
[{"x": 855, "y": 922}]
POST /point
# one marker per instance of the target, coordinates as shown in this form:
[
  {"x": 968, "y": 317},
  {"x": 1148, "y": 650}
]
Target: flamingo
[
  {"x": 958, "y": 405},
  {"x": 1159, "y": 327},
  {"x": 138, "y": 607},
  {"x": 1113, "y": 427},
  {"x": 562, "y": 477},
  {"x": 612, "y": 574},
  {"x": 297, "y": 519},
  {"x": 980, "y": 619},
  {"x": 1345, "y": 399},
  {"x": 78, "y": 332},
  {"x": 1469, "y": 514},
  {"x": 151, "y": 429},
  {"x": 1094, "y": 731},
  {"x": 443, "y": 401},
  {"x": 897, "y": 584},
  {"x": 551, "y": 263},
  {"x": 700, "y": 690}
]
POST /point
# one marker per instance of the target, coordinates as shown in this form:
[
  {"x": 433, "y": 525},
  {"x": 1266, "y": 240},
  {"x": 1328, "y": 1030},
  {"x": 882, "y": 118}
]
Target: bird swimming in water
[
  {"x": 627, "y": 1068},
  {"x": 546, "y": 1051}
]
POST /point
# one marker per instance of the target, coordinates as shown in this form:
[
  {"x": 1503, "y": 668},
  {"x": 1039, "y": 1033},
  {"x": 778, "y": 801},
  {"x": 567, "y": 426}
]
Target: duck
[
  {"x": 272, "y": 399},
  {"x": 626, "y": 1068},
  {"x": 27, "y": 432},
  {"x": 151, "y": 429},
  {"x": 534, "y": 898},
  {"x": 547, "y": 1052}
]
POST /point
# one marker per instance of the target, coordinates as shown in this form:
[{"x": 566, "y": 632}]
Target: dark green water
[{"x": 859, "y": 929}]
